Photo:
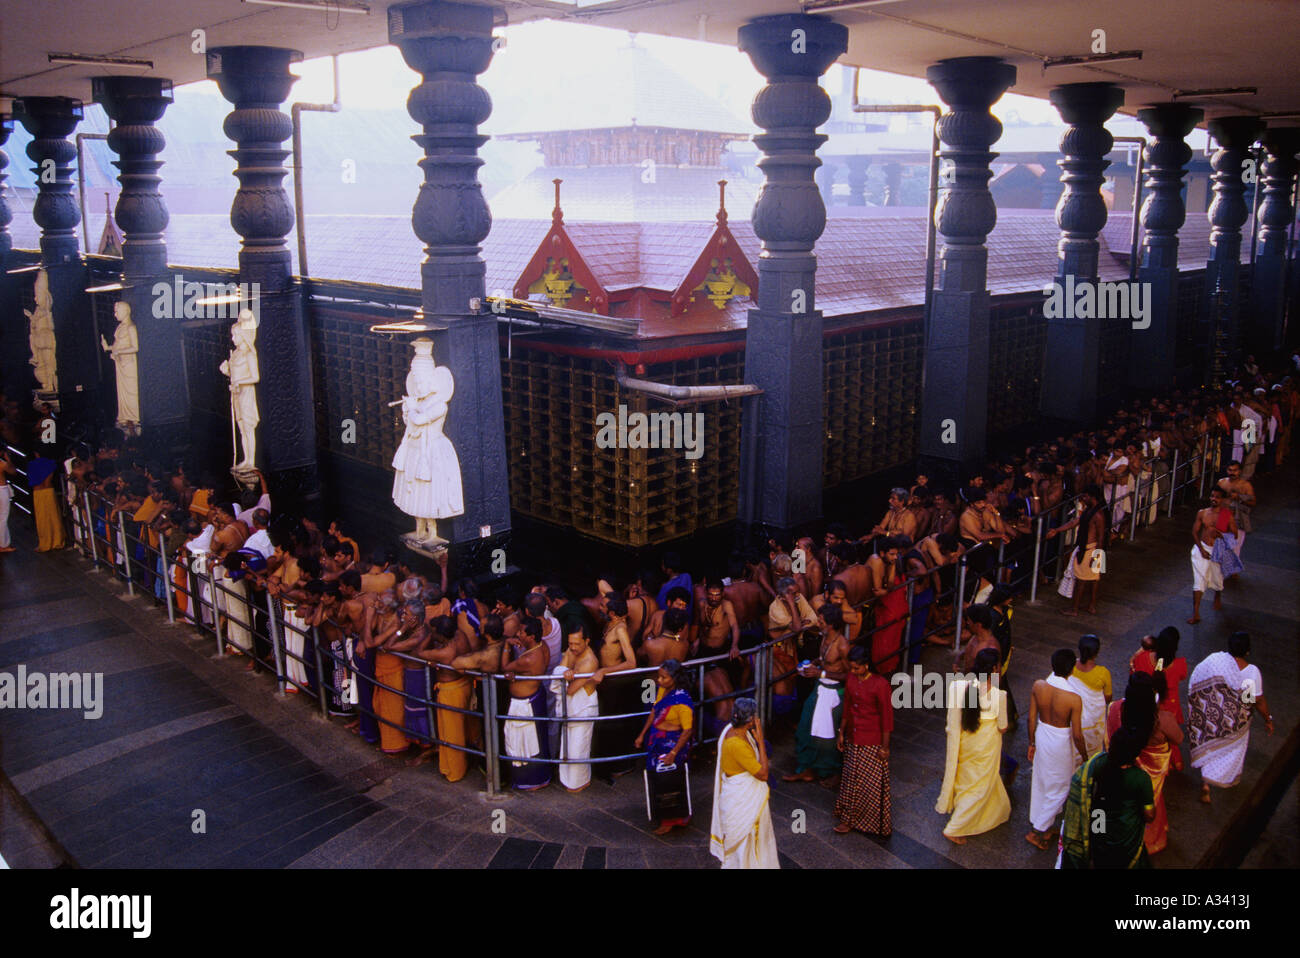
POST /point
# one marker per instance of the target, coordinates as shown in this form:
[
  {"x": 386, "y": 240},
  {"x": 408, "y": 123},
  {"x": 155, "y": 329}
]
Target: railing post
[
  {"x": 1039, "y": 524},
  {"x": 167, "y": 581},
  {"x": 1205, "y": 468},
  {"x": 90, "y": 524},
  {"x": 126, "y": 552},
  {"x": 960, "y": 601},
  {"x": 429, "y": 707},
  {"x": 491, "y": 746},
  {"x": 322, "y": 689},
  {"x": 907, "y": 623},
  {"x": 1133, "y": 505},
  {"x": 276, "y": 637},
  {"x": 1173, "y": 487},
  {"x": 1002, "y": 549},
  {"x": 216, "y": 617},
  {"x": 762, "y": 679}
]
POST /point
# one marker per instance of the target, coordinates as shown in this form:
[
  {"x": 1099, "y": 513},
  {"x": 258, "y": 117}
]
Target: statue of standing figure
[
  {"x": 41, "y": 335},
  {"x": 124, "y": 349},
  {"x": 242, "y": 370},
  {"x": 427, "y": 483}
]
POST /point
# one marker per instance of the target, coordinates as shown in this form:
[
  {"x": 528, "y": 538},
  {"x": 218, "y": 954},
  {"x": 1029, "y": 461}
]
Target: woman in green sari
[{"x": 1110, "y": 802}]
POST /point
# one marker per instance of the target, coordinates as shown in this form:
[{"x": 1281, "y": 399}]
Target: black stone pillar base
[
  {"x": 449, "y": 45},
  {"x": 257, "y": 80},
  {"x": 1073, "y": 348},
  {"x": 1268, "y": 291},
  {"x": 783, "y": 342},
  {"x": 1153, "y": 350},
  {"x": 954, "y": 412}
]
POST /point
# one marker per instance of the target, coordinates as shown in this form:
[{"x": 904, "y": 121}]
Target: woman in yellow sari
[
  {"x": 1139, "y": 710},
  {"x": 972, "y": 788},
  {"x": 741, "y": 834}
]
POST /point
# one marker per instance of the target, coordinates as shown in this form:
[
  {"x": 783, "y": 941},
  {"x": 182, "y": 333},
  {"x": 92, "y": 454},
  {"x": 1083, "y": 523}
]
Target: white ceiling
[{"x": 1186, "y": 44}]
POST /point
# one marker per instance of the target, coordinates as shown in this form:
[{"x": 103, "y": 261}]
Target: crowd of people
[{"x": 844, "y": 616}]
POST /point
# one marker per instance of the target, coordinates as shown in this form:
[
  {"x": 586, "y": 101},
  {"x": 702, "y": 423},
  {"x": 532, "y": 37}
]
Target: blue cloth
[
  {"x": 660, "y": 742},
  {"x": 530, "y": 775},
  {"x": 921, "y": 602},
  {"x": 364, "y": 662},
  {"x": 682, "y": 579},
  {"x": 39, "y": 469},
  {"x": 471, "y": 613},
  {"x": 417, "y": 715},
  {"x": 1229, "y": 562}
]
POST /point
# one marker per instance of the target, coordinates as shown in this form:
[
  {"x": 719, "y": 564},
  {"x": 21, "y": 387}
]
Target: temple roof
[{"x": 622, "y": 194}]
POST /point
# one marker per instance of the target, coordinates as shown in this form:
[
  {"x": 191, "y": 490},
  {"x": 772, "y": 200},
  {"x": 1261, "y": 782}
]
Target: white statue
[
  {"x": 427, "y": 482},
  {"x": 124, "y": 349},
  {"x": 241, "y": 367},
  {"x": 42, "y": 335}
]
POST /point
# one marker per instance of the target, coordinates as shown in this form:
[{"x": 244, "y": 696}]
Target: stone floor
[{"x": 196, "y": 763}]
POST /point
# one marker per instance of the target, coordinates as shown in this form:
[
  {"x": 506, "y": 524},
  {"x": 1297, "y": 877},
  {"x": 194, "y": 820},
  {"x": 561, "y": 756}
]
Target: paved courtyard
[{"x": 188, "y": 739}]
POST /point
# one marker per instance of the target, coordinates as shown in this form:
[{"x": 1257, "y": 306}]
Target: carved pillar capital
[
  {"x": 51, "y": 120},
  {"x": 1166, "y": 157}
]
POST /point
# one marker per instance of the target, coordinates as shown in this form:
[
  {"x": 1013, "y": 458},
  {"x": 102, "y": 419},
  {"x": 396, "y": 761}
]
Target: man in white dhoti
[
  {"x": 199, "y": 547},
  {"x": 124, "y": 349},
  {"x": 1056, "y": 745},
  {"x": 525, "y": 659},
  {"x": 741, "y": 834},
  {"x": 1224, "y": 692},
  {"x": 426, "y": 480},
  {"x": 580, "y": 703},
  {"x": 1092, "y": 683},
  {"x": 244, "y": 375}
]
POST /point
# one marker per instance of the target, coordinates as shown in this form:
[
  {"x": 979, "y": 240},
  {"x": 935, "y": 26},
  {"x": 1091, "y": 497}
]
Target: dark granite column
[
  {"x": 1073, "y": 344},
  {"x": 15, "y": 373},
  {"x": 1220, "y": 334},
  {"x": 257, "y": 81},
  {"x": 783, "y": 343},
  {"x": 51, "y": 120},
  {"x": 449, "y": 45},
  {"x": 1153, "y": 350},
  {"x": 136, "y": 104},
  {"x": 954, "y": 414},
  {"x": 858, "y": 179},
  {"x": 1268, "y": 292},
  {"x": 893, "y": 184}
]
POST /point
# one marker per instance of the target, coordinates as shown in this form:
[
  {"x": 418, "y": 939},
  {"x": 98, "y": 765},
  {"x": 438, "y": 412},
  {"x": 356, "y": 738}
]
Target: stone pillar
[
  {"x": 954, "y": 414},
  {"x": 858, "y": 179},
  {"x": 1268, "y": 292},
  {"x": 783, "y": 343},
  {"x": 257, "y": 81},
  {"x": 1220, "y": 336},
  {"x": 15, "y": 373},
  {"x": 51, "y": 120},
  {"x": 826, "y": 182},
  {"x": 893, "y": 184},
  {"x": 136, "y": 104},
  {"x": 1073, "y": 344},
  {"x": 1153, "y": 350},
  {"x": 449, "y": 45},
  {"x": 1050, "y": 188}
]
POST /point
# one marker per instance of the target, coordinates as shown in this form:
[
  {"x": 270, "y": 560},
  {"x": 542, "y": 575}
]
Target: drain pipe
[
  {"x": 1138, "y": 170},
  {"x": 300, "y": 217},
  {"x": 682, "y": 394},
  {"x": 930, "y": 241},
  {"x": 81, "y": 186}
]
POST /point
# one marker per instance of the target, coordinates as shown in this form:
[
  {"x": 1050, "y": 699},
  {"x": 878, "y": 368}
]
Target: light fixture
[
  {"x": 1216, "y": 91},
  {"x": 106, "y": 288},
  {"x": 1090, "y": 58},
  {"x": 223, "y": 299},
  {"x": 832, "y": 6},
  {"x": 135, "y": 63},
  {"x": 329, "y": 6}
]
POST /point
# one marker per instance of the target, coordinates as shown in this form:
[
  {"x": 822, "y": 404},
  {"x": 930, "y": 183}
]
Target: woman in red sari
[
  {"x": 1163, "y": 656},
  {"x": 891, "y": 606},
  {"x": 1140, "y": 710}
]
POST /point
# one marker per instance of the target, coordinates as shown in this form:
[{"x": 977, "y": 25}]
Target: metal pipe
[
  {"x": 429, "y": 708},
  {"x": 321, "y": 687},
  {"x": 1139, "y": 169},
  {"x": 167, "y": 582},
  {"x": 216, "y": 619},
  {"x": 932, "y": 201},
  {"x": 960, "y": 601},
  {"x": 90, "y": 519},
  {"x": 276, "y": 636},
  {"x": 491, "y": 746},
  {"x": 81, "y": 186},
  {"x": 126, "y": 553},
  {"x": 295, "y": 112},
  {"x": 1039, "y": 523},
  {"x": 1256, "y": 193},
  {"x": 696, "y": 393},
  {"x": 1173, "y": 487}
]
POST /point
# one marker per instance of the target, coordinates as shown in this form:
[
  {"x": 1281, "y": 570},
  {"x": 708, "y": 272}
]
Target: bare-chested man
[
  {"x": 837, "y": 594},
  {"x": 671, "y": 643},
  {"x": 1239, "y": 494},
  {"x": 618, "y": 696},
  {"x": 506, "y": 608},
  {"x": 897, "y": 521},
  {"x": 805, "y": 560},
  {"x": 1210, "y": 524},
  {"x": 526, "y": 658},
  {"x": 1056, "y": 745},
  {"x": 816, "y": 752},
  {"x": 678, "y": 598},
  {"x": 1089, "y": 555}
]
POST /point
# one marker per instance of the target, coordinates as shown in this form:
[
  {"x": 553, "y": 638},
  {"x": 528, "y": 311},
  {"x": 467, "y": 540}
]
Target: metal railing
[{"x": 196, "y": 589}]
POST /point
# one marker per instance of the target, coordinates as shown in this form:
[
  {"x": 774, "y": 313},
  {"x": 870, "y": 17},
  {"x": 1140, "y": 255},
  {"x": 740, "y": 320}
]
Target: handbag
[{"x": 1066, "y": 586}]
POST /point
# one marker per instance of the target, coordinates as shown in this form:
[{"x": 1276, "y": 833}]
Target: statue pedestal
[
  {"x": 431, "y": 548},
  {"x": 40, "y": 397},
  {"x": 245, "y": 476}
]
